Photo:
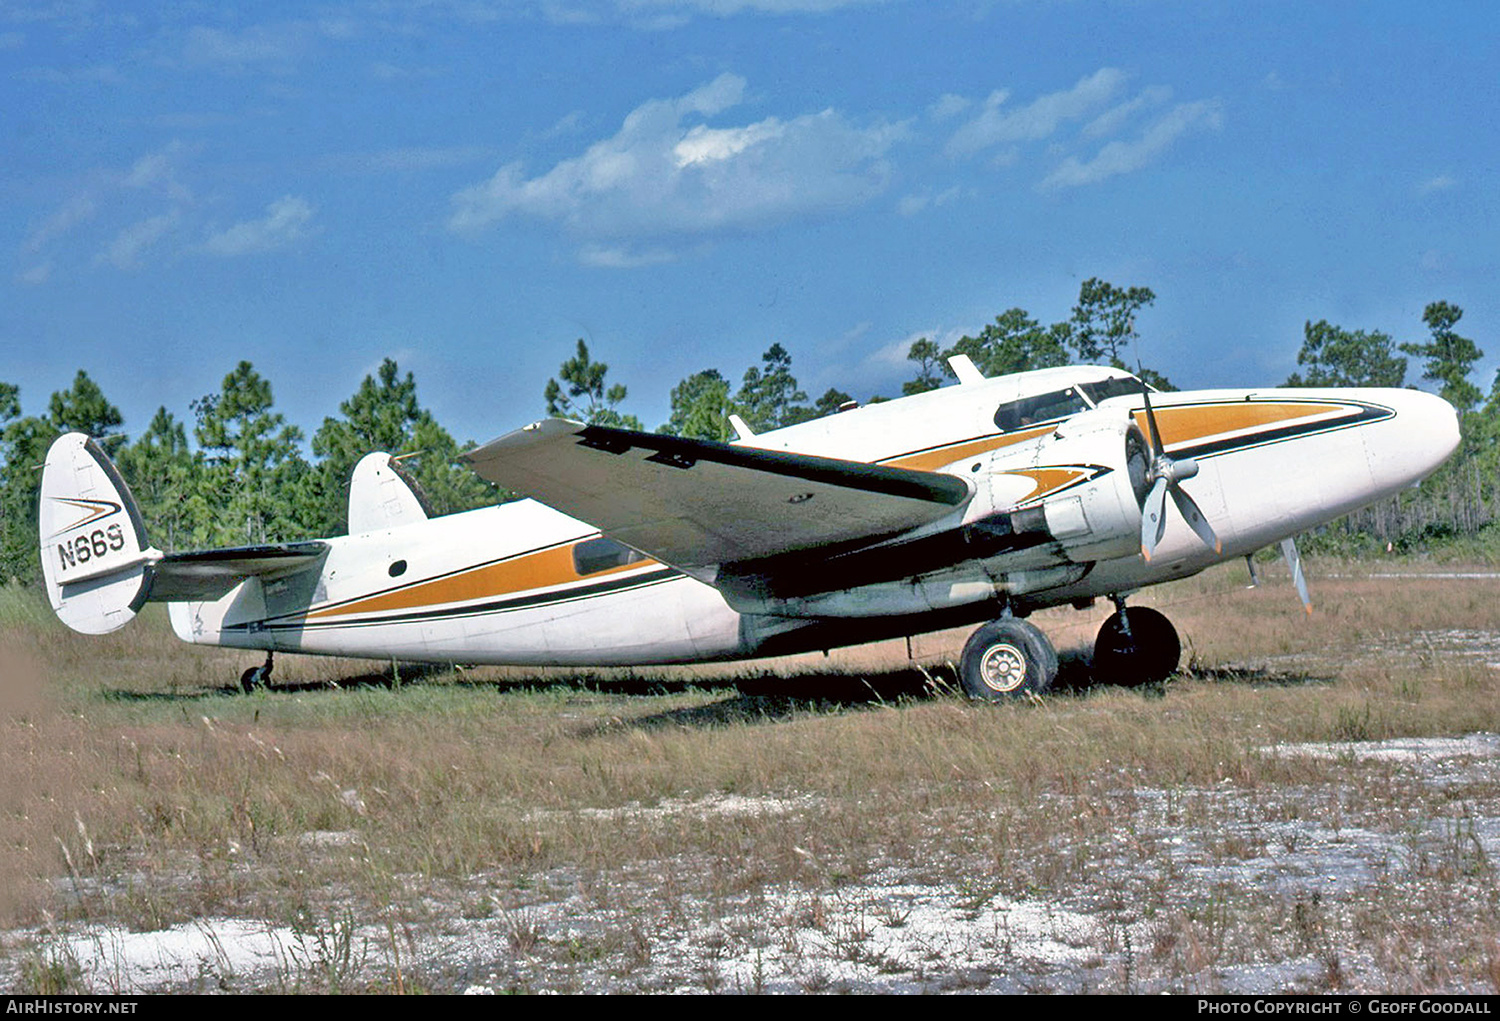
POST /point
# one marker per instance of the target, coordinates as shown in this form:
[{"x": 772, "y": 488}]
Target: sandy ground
[{"x": 888, "y": 933}]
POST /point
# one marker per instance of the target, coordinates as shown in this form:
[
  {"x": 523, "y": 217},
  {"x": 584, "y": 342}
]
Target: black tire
[
  {"x": 1147, "y": 654},
  {"x": 1007, "y": 659},
  {"x": 256, "y": 677}
]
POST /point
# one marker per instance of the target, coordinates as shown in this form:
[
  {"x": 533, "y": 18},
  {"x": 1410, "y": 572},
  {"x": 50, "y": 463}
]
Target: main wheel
[
  {"x": 1007, "y": 658},
  {"x": 1136, "y": 646}
]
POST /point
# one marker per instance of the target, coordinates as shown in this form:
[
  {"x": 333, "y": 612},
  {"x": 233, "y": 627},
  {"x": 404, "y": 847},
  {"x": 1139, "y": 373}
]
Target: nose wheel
[
  {"x": 1136, "y": 646},
  {"x": 1005, "y": 659}
]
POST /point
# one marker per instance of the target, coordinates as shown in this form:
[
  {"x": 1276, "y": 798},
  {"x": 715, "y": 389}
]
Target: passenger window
[
  {"x": 601, "y": 554},
  {"x": 1029, "y": 411}
]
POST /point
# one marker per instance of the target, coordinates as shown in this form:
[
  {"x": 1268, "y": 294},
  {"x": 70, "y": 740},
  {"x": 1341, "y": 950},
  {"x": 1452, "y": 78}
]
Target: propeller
[{"x": 1166, "y": 475}]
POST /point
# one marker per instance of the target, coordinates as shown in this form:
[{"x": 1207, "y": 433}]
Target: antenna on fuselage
[{"x": 964, "y": 368}]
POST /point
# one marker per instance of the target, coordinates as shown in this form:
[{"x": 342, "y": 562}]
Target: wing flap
[
  {"x": 205, "y": 575},
  {"x": 695, "y": 504}
]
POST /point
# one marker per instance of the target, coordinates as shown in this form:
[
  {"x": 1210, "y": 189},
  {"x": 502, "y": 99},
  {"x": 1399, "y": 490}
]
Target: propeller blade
[
  {"x": 1157, "y": 450},
  {"x": 1153, "y": 518},
  {"x": 1194, "y": 517},
  {"x": 1250, "y": 566},
  {"x": 1294, "y": 563}
]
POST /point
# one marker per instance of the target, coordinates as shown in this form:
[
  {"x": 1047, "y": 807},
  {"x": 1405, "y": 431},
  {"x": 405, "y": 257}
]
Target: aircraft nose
[{"x": 1423, "y": 435}]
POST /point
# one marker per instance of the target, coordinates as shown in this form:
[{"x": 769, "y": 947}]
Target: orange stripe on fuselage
[
  {"x": 1200, "y": 421},
  {"x": 542, "y": 569},
  {"x": 930, "y": 460},
  {"x": 553, "y": 567},
  {"x": 1048, "y": 480}
]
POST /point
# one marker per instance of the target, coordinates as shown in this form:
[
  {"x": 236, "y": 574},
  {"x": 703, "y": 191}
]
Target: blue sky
[{"x": 470, "y": 185}]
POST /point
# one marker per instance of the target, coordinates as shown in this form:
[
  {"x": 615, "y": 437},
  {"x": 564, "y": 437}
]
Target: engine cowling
[{"x": 1082, "y": 486}]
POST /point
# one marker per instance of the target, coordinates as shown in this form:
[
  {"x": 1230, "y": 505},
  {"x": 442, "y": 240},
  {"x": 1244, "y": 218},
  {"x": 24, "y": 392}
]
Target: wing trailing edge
[{"x": 697, "y": 504}]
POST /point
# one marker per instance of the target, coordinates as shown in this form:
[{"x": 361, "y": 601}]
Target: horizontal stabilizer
[
  {"x": 696, "y": 504},
  {"x": 100, "y": 568},
  {"x": 208, "y": 574}
]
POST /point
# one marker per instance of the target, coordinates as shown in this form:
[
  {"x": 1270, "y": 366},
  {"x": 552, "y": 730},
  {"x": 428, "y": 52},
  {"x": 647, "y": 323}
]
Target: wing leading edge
[{"x": 696, "y": 504}]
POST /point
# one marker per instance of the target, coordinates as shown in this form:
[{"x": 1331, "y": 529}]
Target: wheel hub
[{"x": 1003, "y": 667}]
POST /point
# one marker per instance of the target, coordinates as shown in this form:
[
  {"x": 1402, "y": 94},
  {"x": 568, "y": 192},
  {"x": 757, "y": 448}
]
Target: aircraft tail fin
[
  {"x": 382, "y": 495},
  {"x": 96, "y": 559}
]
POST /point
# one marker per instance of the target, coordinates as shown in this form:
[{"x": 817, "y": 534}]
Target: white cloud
[
  {"x": 611, "y": 257},
  {"x": 125, "y": 251},
  {"x": 1039, "y": 119},
  {"x": 728, "y": 7},
  {"x": 409, "y": 159},
  {"x": 91, "y": 74},
  {"x": 911, "y": 205},
  {"x": 1442, "y": 182},
  {"x": 1124, "y": 157},
  {"x": 286, "y": 221},
  {"x": 36, "y": 275},
  {"x": 665, "y": 173},
  {"x": 1113, "y": 120},
  {"x": 158, "y": 171},
  {"x": 387, "y": 72},
  {"x": 709, "y": 145},
  {"x": 276, "y": 47},
  {"x": 673, "y": 13},
  {"x": 948, "y": 106},
  {"x": 74, "y": 211}
]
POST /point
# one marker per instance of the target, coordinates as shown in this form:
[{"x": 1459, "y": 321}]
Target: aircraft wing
[
  {"x": 695, "y": 504},
  {"x": 208, "y": 574}
]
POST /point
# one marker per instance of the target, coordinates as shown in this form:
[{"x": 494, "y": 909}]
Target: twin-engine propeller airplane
[{"x": 976, "y": 502}]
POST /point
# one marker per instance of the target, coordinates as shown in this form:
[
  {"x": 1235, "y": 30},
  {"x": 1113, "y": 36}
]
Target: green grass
[{"x": 130, "y": 758}]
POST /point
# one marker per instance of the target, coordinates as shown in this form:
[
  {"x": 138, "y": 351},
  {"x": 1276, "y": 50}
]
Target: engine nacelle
[{"x": 1082, "y": 486}]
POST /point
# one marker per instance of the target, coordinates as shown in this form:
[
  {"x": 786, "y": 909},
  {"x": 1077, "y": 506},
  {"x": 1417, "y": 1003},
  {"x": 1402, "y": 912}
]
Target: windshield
[
  {"x": 1041, "y": 408},
  {"x": 1119, "y": 386}
]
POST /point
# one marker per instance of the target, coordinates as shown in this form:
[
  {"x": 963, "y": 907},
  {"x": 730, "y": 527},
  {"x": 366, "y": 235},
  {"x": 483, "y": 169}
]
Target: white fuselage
[{"x": 520, "y": 583}]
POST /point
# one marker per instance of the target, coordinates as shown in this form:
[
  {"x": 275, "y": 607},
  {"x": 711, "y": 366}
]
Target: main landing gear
[
  {"x": 1010, "y": 657},
  {"x": 1007, "y": 658}
]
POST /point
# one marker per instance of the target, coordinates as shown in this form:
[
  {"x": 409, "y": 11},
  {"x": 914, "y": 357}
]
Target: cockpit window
[
  {"x": 1041, "y": 408},
  {"x": 1117, "y": 386},
  {"x": 601, "y": 554}
]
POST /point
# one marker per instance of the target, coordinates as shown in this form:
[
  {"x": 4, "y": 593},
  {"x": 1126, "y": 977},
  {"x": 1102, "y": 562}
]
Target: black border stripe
[
  {"x": 1367, "y": 413},
  {"x": 456, "y": 612},
  {"x": 417, "y": 583},
  {"x": 606, "y": 438}
]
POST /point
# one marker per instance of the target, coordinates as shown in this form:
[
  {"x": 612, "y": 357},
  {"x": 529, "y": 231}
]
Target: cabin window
[
  {"x": 601, "y": 554},
  {"x": 1041, "y": 408},
  {"x": 397, "y": 569}
]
